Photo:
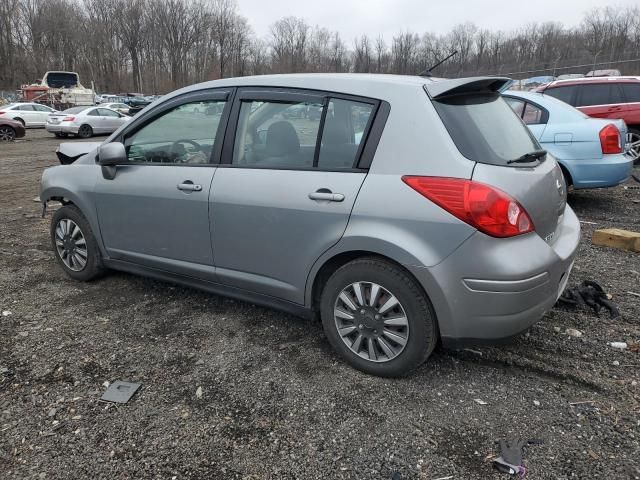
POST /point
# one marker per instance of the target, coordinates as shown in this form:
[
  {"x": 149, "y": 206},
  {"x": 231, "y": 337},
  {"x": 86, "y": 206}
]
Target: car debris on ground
[
  {"x": 120, "y": 392},
  {"x": 590, "y": 294}
]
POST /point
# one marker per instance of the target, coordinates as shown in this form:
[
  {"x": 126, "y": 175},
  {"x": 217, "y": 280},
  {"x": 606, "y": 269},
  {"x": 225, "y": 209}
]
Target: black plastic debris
[
  {"x": 120, "y": 392},
  {"x": 592, "y": 295}
]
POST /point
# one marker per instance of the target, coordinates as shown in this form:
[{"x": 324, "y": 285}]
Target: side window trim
[
  {"x": 277, "y": 95},
  {"x": 226, "y": 94},
  {"x": 369, "y": 145},
  {"x": 323, "y": 118}
]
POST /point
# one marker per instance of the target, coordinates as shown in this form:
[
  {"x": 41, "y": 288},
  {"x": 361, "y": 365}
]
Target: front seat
[{"x": 282, "y": 144}]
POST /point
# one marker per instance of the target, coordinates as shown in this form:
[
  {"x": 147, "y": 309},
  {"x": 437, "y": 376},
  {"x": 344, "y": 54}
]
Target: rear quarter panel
[{"x": 585, "y": 142}]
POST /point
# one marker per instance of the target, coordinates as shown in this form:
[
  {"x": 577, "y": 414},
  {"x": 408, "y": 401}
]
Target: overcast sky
[{"x": 388, "y": 17}]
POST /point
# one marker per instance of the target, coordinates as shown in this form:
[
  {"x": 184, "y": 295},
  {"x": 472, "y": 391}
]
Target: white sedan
[
  {"x": 30, "y": 115},
  {"x": 85, "y": 122}
]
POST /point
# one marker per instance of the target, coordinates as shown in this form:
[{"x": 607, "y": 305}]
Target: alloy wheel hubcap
[
  {"x": 6, "y": 134},
  {"x": 71, "y": 245},
  {"x": 633, "y": 142},
  {"x": 371, "y": 321}
]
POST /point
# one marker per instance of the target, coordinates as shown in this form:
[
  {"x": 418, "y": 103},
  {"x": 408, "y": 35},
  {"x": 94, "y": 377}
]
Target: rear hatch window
[{"x": 484, "y": 128}]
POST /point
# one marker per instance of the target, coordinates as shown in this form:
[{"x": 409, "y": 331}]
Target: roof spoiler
[{"x": 457, "y": 86}]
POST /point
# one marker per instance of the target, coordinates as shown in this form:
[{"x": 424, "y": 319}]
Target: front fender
[{"x": 73, "y": 184}]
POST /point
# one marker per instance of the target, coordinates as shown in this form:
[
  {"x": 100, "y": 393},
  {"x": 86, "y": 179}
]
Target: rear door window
[
  {"x": 564, "y": 93},
  {"x": 276, "y": 134},
  {"x": 485, "y": 128},
  {"x": 599, "y": 94},
  {"x": 344, "y": 128},
  {"x": 631, "y": 92}
]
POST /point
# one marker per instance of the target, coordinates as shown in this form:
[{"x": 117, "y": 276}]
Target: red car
[
  {"x": 603, "y": 97},
  {"x": 10, "y": 130}
]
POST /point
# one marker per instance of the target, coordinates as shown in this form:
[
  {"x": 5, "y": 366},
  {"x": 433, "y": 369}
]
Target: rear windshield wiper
[{"x": 529, "y": 157}]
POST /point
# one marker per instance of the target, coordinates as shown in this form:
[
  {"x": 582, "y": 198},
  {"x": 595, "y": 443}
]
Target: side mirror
[{"x": 112, "y": 154}]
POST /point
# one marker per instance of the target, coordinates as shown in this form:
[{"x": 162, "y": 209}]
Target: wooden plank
[{"x": 617, "y": 238}]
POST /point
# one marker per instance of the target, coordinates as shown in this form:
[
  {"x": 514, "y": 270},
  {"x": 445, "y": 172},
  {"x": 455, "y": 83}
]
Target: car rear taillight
[
  {"x": 68, "y": 119},
  {"x": 610, "y": 139},
  {"x": 482, "y": 206},
  {"x": 2, "y": 113}
]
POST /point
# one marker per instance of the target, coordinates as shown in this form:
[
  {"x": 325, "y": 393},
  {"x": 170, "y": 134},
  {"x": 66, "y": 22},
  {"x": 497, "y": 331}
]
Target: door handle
[
  {"x": 326, "y": 195},
  {"x": 189, "y": 186}
]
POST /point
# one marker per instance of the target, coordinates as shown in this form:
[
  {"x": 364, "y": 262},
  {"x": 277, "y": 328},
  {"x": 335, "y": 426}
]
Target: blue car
[{"x": 590, "y": 151}]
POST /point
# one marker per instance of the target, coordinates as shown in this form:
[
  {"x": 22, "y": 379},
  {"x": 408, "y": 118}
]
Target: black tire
[
  {"x": 423, "y": 330},
  {"x": 93, "y": 267},
  {"x": 85, "y": 131},
  {"x": 7, "y": 133},
  {"x": 633, "y": 134}
]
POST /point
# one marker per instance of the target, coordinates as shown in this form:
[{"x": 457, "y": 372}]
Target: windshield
[
  {"x": 484, "y": 128},
  {"x": 61, "y": 79}
]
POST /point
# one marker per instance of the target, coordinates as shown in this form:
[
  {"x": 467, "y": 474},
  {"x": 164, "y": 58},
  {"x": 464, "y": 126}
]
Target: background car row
[{"x": 603, "y": 97}]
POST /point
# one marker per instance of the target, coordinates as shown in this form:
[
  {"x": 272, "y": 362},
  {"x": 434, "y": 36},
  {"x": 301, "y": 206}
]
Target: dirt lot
[{"x": 277, "y": 402}]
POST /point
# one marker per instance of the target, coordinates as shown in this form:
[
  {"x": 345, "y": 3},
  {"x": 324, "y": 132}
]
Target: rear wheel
[
  {"x": 85, "y": 131},
  {"x": 7, "y": 133},
  {"x": 377, "y": 317},
  {"x": 633, "y": 141},
  {"x": 74, "y": 244}
]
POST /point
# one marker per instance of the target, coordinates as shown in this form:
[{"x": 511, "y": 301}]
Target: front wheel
[
  {"x": 74, "y": 244},
  {"x": 378, "y": 318}
]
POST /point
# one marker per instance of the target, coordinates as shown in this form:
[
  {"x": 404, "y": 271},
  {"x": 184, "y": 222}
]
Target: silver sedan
[{"x": 85, "y": 122}]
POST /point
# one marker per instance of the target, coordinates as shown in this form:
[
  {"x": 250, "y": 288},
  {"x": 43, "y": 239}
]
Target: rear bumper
[
  {"x": 61, "y": 128},
  {"x": 608, "y": 171},
  {"x": 493, "y": 289}
]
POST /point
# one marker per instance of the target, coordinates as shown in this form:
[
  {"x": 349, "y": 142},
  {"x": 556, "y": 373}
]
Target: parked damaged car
[{"x": 412, "y": 211}]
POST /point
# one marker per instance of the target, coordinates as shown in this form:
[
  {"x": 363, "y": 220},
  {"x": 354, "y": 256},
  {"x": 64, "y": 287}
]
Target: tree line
[{"x": 155, "y": 46}]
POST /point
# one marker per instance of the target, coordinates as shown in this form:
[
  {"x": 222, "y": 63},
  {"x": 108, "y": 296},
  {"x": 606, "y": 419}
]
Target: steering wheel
[{"x": 173, "y": 148}]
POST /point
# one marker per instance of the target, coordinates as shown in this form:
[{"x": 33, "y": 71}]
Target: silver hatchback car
[{"x": 408, "y": 211}]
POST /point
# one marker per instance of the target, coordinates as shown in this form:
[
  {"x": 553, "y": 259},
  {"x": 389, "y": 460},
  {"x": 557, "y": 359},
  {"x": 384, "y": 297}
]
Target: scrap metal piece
[{"x": 120, "y": 392}]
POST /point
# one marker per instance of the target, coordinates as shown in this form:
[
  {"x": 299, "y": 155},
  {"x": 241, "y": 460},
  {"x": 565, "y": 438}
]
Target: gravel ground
[{"x": 276, "y": 401}]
